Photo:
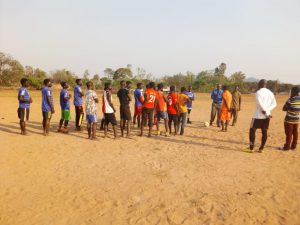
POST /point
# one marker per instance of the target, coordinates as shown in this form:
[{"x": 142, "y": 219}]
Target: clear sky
[{"x": 259, "y": 37}]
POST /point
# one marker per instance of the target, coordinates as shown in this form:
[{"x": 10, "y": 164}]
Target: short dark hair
[
  {"x": 122, "y": 82},
  {"x": 160, "y": 86},
  {"x": 172, "y": 88},
  {"x": 46, "y": 81},
  {"x": 138, "y": 84},
  {"x": 78, "y": 80},
  {"x": 295, "y": 91},
  {"x": 23, "y": 81},
  {"x": 151, "y": 85},
  {"x": 106, "y": 85},
  {"x": 89, "y": 84},
  {"x": 128, "y": 82},
  {"x": 262, "y": 83},
  {"x": 63, "y": 83},
  {"x": 225, "y": 87},
  {"x": 183, "y": 89}
]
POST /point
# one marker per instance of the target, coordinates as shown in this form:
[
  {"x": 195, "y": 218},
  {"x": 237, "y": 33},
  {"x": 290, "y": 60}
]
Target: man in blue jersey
[
  {"x": 216, "y": 96},
  {"x": 138, "y": 105},
  {"x": 65, "y": 107},
  {"x": 24, "y": 104},
  {"x": 189, "y": 104},
  {"x": 47, "y": 105},
  {"x": 78, "y": 94}
]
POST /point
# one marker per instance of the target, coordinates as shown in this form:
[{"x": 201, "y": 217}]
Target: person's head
[
  {"x": 47, "y": 82},
  {"x": 24, "y": 82},
  {"x": 295, "y": 91},
  {"x": 172, "y": 88},
  {"x": 190, "y": 88},
  {"x": 225, "y": 87},
  {"x": 128, "y": 84},
  {"x": 261, "y": 84},
  {"x": 79, "y": 82},
  {"x": 123, "y": 84},
  {"x": 183, "y": 89},
  {"x": 107, "y": 86},
  {"x": 139, "y": 85},
  {"x": 160, "y": 87},
  {"x": 152, "y": 85},
  {"x": 90, "y": 85},
  {"x": 64, "y": 85},
  {"x": 219, "y": 86},
  {"x": 237, "y": 88},
  {"x": 147, "y": 86}
]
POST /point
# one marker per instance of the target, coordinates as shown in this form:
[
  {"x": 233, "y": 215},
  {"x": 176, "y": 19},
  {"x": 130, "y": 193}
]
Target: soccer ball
[{"x": 206, "y": 124}]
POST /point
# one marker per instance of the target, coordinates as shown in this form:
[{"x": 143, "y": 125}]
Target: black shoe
[
  {"x": 251, "y": 147},
  {"x": 189, "y": 122}
]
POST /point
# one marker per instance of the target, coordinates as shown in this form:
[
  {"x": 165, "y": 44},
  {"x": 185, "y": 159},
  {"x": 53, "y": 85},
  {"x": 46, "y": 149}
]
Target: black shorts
[
  {"x": 148, "y": 114},
  {"x": 110, "y": 118},
  {"x": 189, "y": 111},
  {"x": 125, "y": 112},
  {"x": 21, "y": 113},
  {"x": 173, "y": 117},
  {"x": 260, "y": 123}
]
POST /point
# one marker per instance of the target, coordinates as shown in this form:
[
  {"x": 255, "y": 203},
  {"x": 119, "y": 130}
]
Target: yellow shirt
[{"x": 182, "y": 100}]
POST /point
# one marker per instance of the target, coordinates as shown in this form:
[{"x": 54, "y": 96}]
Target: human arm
[
  {"x": 240, "y": 102},
  {"x": 110, "y": 102},
  {"x": 50, "y": 102}
]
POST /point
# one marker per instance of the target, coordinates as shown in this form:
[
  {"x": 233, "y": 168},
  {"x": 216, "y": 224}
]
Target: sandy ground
[{"x": 202, "y": 177}]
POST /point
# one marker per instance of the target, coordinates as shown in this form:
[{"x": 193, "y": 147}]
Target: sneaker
[
  {"x": 158, "y": 133},
  {"x": 167, "y": 134}
]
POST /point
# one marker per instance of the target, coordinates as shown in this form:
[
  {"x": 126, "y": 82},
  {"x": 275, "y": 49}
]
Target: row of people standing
[{"x": 225, "y": 106}]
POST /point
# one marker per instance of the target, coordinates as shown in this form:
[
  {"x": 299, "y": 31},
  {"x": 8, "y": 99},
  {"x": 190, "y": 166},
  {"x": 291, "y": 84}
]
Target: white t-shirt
[{"x": 265, "y": 101}]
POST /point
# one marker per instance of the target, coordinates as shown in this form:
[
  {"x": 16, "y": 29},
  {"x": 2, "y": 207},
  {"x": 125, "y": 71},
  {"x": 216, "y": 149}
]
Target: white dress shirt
[{"x": 265, "y": 101}]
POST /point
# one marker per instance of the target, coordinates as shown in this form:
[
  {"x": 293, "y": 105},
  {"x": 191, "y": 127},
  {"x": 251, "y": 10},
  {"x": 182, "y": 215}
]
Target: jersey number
[{"x": 152, "y": 98}]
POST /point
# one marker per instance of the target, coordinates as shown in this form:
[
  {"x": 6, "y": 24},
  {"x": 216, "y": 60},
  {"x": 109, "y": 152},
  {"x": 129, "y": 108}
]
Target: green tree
[
  {"x": 11, "y": 71},
  {"x": 237, "y": 78},
  {"x": 122, "y": 73},
  {"x": 63, "y": 75},
  {"x": 86, "y": 76},
  {"x": 109, "y": 73}
]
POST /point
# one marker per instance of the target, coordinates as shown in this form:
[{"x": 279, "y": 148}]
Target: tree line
[{"x": 11, "y": 71}]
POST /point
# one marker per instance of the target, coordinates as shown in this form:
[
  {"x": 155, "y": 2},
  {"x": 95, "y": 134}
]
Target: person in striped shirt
[
  {"x": 108, "y": 110},
  {"x": 291, "y": 122}
]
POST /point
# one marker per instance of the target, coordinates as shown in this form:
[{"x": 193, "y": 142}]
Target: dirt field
[{"x": 202, "y": 177}]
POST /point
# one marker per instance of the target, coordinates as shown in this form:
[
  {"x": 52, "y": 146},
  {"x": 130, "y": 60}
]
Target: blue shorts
[
  {"x": 161, "y": 115},
  {"x": 91, "y": 118}
]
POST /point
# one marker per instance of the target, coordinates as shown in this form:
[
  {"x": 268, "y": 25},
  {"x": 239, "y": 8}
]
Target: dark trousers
[
  {"x": 79, "y": 116},
  {"x": 235, "y": 113},
  {"x": 291, "y": 133},
  {"x": 263, "y": 138},
  {"x": 215, "y": 110}
]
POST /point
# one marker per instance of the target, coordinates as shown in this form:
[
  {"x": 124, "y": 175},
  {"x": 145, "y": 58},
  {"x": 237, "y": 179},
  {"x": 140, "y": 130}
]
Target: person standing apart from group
[
  {"x": 47, "y": 105},
  {"x": 24, "y": 104},
  {"x": 78, "y": 94},
  {"x": 149, "y": 104},
  {"x": 216, "y": 96},
  {"x": 236, "y": 104},
  {"x": 91, "y": 100},
  {"x": 124, "y": 98},
  {"x": 138, "y": 105},
  {"x": 291, "y": 122},
  {"x": 108, "y": 110},
  {"x": 225, "y": 109},
  {"x": 189, "y": 105},
  {"x": 65, "y": 107},
  {"x": 265, "y": 103},
  {"x": 183, "y": 99}
]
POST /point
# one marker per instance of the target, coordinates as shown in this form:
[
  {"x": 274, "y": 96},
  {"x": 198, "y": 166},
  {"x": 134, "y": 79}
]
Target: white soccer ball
[{"x": 206, "y": 124}]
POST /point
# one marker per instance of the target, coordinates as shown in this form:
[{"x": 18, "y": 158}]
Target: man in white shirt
[{"x": 265, "y": 103}]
